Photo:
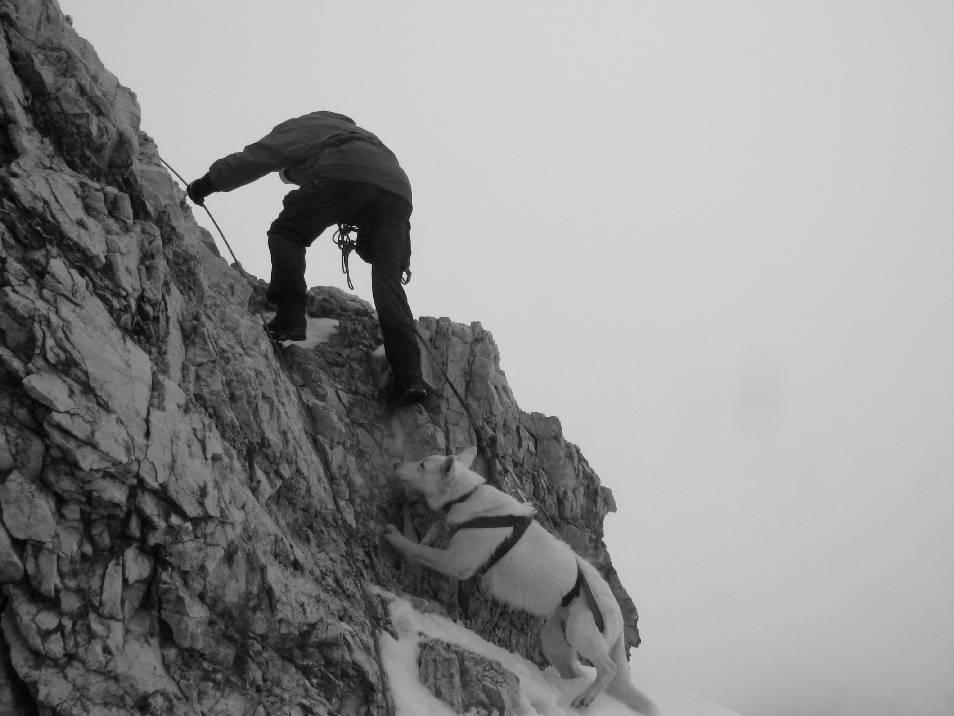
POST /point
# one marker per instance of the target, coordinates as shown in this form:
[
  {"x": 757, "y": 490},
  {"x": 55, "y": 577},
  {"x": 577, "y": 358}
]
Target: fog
[{"x": 715, "y": 239}]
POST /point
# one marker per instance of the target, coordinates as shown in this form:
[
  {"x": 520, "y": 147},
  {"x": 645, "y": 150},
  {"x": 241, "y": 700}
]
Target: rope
[
  {"x": 219, "y": 228},
  {"x": 342, "y": 239},
  {"x": 484, "y": 441}
]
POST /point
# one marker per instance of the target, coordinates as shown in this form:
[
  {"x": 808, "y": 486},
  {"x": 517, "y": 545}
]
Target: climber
[{"x": 346, "y": 176}]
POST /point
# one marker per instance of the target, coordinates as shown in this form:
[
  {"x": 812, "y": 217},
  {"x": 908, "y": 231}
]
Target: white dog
[{"x": 525, "y": 566}]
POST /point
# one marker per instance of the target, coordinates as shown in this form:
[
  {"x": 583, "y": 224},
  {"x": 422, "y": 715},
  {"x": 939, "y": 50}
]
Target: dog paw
[
  {"x": 392, "y": 535},
  {"x": 583, "y": 700}
]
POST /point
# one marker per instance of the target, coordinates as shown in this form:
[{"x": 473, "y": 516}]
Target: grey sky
[{"x": 715, "y": 238}]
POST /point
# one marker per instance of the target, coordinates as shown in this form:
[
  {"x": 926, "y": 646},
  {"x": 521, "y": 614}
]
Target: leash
[{"x": 486, "y": 442}]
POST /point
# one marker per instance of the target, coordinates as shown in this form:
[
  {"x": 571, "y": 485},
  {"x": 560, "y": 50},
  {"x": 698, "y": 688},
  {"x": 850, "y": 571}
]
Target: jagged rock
[
  {"x": 14, "y": 697},
  {"x": 11, "y": 568},
  {"x": 51, "y": 390},
  {"x": 41, "y": 567},
  {"x": 467, "y": 682},
  {"x": 27, "y": 509},
  {"x": 188, "y": 515}
]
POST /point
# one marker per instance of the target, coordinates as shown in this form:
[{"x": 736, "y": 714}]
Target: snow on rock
[
  {"x": 408, "y": 651},
  {"x": 320, "y": 330}
]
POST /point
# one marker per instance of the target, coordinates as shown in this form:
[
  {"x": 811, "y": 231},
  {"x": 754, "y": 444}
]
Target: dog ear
[
  {"x": 447, "y": 467},
  {"x": 467, "y": 456}
]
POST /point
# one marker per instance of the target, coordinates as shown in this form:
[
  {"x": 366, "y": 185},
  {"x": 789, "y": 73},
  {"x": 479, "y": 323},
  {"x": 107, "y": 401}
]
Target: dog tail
[{"x": 622, "y": 687}]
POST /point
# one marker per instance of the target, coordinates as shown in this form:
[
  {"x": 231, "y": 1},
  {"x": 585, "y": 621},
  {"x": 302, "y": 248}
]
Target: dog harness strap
[
  {"x": 446, "y": 507},
  {"x": 519, "y": 523},
  {"x": 575, "y": 592},
  {"x": 583, "y": 586}
]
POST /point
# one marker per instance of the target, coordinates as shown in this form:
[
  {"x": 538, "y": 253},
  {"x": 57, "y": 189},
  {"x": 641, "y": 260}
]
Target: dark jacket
[{"x": 320, "y": 144}]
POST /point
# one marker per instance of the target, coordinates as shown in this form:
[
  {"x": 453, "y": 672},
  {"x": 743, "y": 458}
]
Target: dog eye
[{"x": 421, "y": 464}]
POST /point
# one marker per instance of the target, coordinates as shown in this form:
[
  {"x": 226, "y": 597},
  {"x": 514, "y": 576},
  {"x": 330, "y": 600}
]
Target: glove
[{"x": 199, "y": 189}]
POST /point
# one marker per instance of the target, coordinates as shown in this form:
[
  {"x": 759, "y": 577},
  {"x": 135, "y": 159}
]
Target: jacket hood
[{"x": 336, "y": 115}]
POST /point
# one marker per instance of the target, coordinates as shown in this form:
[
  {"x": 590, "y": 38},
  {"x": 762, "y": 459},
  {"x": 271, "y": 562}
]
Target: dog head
[{"x": 439, "y": 478}]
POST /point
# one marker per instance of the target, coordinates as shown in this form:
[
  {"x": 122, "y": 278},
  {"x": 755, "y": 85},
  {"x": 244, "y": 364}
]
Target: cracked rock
[
  {"x": 11, "y": 568},
  {"x": 27, "y": 509},
  {"x": 467, "y": 682}
]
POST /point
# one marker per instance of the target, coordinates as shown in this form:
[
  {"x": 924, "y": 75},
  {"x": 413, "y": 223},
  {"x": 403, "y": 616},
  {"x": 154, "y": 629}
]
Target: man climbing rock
[{"x": 347, "y": 176}]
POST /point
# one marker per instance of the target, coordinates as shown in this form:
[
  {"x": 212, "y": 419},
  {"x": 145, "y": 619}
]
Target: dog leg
[
  {"x": 433, "y": 532},
  {"x": 458, "y": 563},
  {"x": 407, "y": 523},
  {"x": 556, "y": 649},
  {"x": 586, "y": 639},
  {"x": 622, "y": 686}
]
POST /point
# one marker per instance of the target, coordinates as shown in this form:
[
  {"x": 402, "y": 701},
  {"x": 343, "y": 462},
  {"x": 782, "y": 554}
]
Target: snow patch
[
  {"x": 542, "y": 693},
  {"x": 320, "y": 330}
]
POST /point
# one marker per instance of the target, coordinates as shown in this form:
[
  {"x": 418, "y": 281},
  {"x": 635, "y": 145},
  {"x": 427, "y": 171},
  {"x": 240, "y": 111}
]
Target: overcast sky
[{"x": 715, "y": 238}]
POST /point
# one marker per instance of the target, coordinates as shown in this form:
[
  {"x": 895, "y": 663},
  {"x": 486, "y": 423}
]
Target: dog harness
[
  {"x": 519, "y": 525},
  {"x": 446, "y": 507},
  {"x": 583, "y": 586}
]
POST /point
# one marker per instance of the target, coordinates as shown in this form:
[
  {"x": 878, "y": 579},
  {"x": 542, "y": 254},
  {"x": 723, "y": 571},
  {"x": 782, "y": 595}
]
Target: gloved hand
[{"x": 199, "y": 189}]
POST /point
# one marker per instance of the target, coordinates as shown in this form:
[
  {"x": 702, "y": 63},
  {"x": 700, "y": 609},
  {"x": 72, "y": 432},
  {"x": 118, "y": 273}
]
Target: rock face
[
  {"x": 467, "y": 682},
  {"x": 187, "y": 516}
]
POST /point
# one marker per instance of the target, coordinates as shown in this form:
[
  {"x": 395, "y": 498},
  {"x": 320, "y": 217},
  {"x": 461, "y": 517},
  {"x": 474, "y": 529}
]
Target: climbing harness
[
  {"x": 342, "y": 236},
  {"x": 342, "y": 239}
]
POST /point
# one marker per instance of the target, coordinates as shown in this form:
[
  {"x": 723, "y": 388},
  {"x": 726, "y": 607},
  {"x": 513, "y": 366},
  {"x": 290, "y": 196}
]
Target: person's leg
[
  {"x": 306, "y": 212},
  {"x": 386, "y": 226}
]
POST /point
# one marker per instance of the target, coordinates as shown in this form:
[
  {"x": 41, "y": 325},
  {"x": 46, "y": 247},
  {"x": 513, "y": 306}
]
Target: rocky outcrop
[
  {"x": 467, "y": 682},
  {"x": 187, "y": 515}
]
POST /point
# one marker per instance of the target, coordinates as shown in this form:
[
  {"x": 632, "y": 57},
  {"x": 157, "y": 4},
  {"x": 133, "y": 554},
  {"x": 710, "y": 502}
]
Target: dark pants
[{"x": 384, "y": 240}]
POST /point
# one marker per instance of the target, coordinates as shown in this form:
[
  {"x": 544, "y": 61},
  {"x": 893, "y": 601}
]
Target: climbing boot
[
  {"x": 407, "y": 392},
  {"x": 289, "y": 323}
]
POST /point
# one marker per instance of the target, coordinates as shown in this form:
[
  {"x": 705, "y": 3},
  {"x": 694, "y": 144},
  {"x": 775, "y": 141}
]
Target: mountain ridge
[{"x": 188, "y": 516}]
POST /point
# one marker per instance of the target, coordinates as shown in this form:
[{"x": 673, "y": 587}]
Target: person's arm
[{"x": 278, "y": 149}]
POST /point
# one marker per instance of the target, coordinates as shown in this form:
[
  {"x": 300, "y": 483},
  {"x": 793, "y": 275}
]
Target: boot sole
[
  {"x": 411, "y": 397},
  {"x": 279, "y": 337}
]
